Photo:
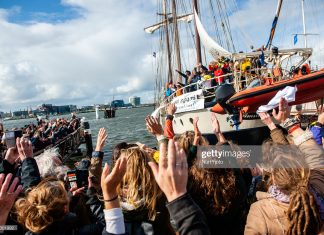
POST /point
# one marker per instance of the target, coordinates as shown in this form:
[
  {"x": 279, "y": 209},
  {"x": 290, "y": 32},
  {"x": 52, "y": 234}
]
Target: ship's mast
[
  {"x": 176, "y": 35},
  {"x": 304, "y": 25},
  {"x": 167, "y": 39},
  {"x": 198, "y": 47}
]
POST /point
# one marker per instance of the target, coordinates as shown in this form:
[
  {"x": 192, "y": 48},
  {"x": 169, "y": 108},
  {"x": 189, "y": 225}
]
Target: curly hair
[
  {"x": 43, "y": 205},
  {"x": 216, "y": 187}
]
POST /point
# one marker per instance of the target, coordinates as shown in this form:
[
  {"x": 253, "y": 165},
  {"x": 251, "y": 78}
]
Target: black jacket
[
  {"x": 27, "y": 172},
  {"x": 188, "y": 217}
]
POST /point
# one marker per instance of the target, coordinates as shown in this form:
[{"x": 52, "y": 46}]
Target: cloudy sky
[{"x": 84, "y": 51}]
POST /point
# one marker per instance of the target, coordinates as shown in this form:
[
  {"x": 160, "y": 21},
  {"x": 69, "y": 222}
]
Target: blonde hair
[
  {"x": 290, "y": 174},
  {"x": 43, "y": 205},
  {"x": 139, "y": 182}
]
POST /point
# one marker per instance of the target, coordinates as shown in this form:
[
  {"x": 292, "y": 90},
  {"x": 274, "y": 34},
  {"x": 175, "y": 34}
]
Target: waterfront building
[
  {"x": 117, "y": 103},
  {"x": 135, "y": 100}
]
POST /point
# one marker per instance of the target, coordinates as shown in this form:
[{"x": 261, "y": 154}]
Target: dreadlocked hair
[
  {"x": 216, "y": 187},
  {"x": 291, "y": 175},
  {"x": 139, "y": 182},
  {"x": 187, "y": 138}
]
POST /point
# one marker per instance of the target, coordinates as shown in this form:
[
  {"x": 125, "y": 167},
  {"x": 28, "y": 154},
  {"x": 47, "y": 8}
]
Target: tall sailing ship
[{"x": 235, "y": 101}]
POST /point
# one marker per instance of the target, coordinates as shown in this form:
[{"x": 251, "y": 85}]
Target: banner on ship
[{"x": 190, "y": 101}]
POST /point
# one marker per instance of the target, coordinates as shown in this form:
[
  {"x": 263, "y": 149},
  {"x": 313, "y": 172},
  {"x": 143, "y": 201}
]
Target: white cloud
[
  {"x": 80, "y": 61},
  {"x": 105, "y": 51}
]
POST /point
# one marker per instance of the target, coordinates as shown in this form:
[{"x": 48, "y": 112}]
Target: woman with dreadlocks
[{"x": 294, "y": 203}]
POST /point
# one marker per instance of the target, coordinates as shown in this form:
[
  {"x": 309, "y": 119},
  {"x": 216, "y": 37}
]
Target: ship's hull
[{"x": 250, "y": 131}]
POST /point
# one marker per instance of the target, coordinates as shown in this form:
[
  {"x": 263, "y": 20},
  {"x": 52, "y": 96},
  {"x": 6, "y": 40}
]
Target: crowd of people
[
  {"x": 164, "y": 190},
  {"x": 250, "y": 72},
  {"x": 45, "y": 133},
  {"x": 218, "y": 72}
]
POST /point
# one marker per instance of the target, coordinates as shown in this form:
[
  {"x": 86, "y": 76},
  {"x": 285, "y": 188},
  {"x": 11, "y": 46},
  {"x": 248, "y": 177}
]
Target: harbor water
[{"x": 128, "y": 126}]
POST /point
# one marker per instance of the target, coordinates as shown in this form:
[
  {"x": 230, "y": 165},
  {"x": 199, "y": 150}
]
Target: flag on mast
[{"x": 295, "y": 39}]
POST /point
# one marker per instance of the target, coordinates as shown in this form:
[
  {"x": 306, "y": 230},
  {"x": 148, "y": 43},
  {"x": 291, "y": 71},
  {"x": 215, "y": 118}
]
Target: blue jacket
[{"x": 318, "y": 133}]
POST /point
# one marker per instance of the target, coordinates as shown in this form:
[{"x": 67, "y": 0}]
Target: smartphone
[
  {"x": 11, "y": 137},
  {"x": 72, "y": 178},
  {"x": 82, "y": 178},
  {"x": 78, "y": 178}
]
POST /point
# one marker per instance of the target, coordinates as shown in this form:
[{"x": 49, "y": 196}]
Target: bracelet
[
  {"x": 293, "y": 128},
  {"x": 289, "y": 122},
  {"x": 160, "y": 138},
  {"x": 169, "y": 116},
  {"x": 110, "y": 200}
]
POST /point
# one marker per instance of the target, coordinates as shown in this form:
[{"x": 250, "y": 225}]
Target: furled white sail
[
  {"x": 184, "y": 18},
  {"x": 213, "y": 48}
]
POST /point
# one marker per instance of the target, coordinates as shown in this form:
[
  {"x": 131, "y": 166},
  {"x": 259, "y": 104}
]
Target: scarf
[{"x": 275, "y": 193}]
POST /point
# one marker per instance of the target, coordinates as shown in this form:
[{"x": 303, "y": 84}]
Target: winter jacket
[
  {"x": 314, "y": 154},
  {"x": 317, "y": 133},
  {"x": 188, "y": 217},
  {"x": 266, "y": 216}
]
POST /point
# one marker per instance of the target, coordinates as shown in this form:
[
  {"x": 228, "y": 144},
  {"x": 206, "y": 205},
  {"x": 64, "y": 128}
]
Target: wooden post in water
[{"x": 87, "y": 137}]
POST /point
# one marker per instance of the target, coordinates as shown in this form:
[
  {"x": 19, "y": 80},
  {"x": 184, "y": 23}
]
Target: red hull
[{"x": 310, "y": 87}]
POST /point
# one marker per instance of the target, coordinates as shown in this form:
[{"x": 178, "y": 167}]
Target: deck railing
[
  {"x": 237, "y": 81},
  {"x": 67, "y": 145}
]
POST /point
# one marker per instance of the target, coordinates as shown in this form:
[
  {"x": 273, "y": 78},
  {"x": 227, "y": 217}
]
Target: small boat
[{"x": 310, "y": 87}]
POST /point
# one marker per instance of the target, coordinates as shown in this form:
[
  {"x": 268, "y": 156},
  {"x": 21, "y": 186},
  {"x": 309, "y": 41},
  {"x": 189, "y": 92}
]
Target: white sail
[
  {"x": 213, "y": 47},
  {"x": 184, "y": 18}
]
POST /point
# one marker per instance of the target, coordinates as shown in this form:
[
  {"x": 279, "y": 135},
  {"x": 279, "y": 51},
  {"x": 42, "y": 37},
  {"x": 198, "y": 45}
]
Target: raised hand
[
  {"x": 195, "y": 121},
  {"x": 172, "y": 172},
  {"x": 171, "y": 109},
  {"x": 25, "y": 148},
  {"x": 153, "y": 125},
  {"x": 12, "y": 155},
  {"x": 110, "y": 182},
  {"x": 8, "y": 195},
  {"x": 196, "y": 130},
  {"x": 321, "y": 114},
  {"x": 284, "y": 111},
  {"x": 76, "y": 191},
  {"x": 266, "y": 119},
  {"x": 101, "y": 140},
  {"x": 215, "y": 123}
]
